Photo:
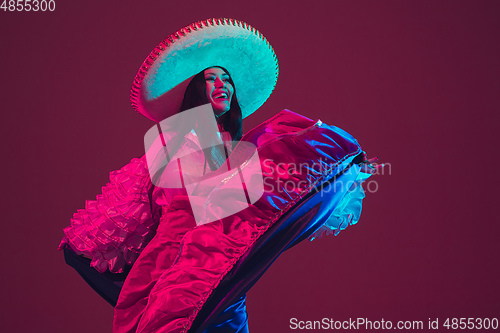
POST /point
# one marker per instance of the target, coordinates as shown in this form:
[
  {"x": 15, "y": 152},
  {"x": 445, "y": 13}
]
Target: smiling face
[{"x": 219, "y": 89}]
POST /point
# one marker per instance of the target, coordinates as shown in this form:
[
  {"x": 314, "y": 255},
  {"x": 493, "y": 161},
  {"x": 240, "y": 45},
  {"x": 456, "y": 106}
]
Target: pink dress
[{"x": 178, "y": 265}]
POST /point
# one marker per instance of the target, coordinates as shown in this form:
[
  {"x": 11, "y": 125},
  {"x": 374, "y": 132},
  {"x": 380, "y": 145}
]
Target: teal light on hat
[{"x": 159, "y": 85}]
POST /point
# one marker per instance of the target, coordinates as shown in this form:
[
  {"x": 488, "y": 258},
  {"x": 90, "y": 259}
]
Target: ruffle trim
[
  {"x": 114, "y": 228},
  {"x": 347, "y": 213},
  {"x": 209, "y": 251}
]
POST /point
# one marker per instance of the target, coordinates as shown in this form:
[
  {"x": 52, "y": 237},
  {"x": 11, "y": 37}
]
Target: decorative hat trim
[{"x": 210, "y": 40}]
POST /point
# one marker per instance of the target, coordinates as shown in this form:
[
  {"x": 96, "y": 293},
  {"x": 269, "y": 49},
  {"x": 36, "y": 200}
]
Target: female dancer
[{"x": 186, "y": 263}]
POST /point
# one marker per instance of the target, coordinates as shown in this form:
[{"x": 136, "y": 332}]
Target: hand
[{"x": 367, "y": 165}]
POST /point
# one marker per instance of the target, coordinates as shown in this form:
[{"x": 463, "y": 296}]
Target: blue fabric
[
  {"x": 299, "y": 223},
  {"x": 233, "y": 320}
]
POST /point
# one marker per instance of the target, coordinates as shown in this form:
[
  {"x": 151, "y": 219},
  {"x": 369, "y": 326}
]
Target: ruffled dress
[{"x": 192, "y": 276}]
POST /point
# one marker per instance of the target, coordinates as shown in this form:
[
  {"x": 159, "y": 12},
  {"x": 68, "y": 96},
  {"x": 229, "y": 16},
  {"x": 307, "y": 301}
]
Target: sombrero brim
[{"x": 159, "y": 85}]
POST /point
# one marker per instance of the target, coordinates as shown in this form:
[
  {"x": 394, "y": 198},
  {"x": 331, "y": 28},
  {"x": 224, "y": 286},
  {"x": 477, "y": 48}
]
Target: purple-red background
[{"x": 416, "y": 82}]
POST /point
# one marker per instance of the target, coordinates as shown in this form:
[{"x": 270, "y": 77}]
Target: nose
[{"x": 219, "y": 83}]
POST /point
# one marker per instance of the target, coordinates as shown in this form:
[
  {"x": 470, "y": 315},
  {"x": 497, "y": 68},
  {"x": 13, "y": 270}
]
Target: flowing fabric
[
  {"x": 180, "y": 264},
  {"x": 115, "y": 228}
]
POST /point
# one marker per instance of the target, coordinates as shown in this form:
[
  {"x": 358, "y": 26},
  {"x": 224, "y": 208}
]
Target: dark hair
[
  {"x": 196, "y": 95},
  {"x": 231, "y": 121}
]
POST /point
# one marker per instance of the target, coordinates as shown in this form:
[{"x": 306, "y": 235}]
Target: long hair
[
  {"x": 231, "y": 121},
  {"x": 196, "y": 95}
]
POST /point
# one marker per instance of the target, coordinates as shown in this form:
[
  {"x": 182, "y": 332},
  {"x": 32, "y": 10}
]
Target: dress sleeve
[{"x": 114, "y": 228}]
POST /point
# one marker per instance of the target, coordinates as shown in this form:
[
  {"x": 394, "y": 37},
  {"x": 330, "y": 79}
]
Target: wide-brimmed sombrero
[{"x": 160, "y": 83}]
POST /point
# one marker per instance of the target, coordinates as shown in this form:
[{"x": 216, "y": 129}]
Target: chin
[{"x": 220, "y": 112}]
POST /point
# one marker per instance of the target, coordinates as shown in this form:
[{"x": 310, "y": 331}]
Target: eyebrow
[{"x": 223, "y": 74}]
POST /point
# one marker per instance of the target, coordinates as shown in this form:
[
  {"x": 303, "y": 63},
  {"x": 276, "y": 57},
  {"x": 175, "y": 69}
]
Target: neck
[{"x": 219, "y": 123}]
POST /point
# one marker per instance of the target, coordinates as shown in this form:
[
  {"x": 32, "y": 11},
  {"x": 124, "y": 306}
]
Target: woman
[
  {"x": 191, "y": 272},
  {"x": 212, "y": 86}
]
